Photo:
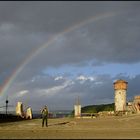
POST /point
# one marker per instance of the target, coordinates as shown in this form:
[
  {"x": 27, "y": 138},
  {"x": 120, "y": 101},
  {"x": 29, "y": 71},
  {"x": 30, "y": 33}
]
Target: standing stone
[
  {"x": 77, "y": 109},
  {"x": 19, "y": 109},
  {"x": 29, "y": 113}
]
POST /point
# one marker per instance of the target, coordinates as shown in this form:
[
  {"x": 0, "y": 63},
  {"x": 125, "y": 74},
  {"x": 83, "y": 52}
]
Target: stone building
[
  {"x": 120, "y": 88},
  {"x": 134, "y": 107},
  {"x": 136, "y": 103}
]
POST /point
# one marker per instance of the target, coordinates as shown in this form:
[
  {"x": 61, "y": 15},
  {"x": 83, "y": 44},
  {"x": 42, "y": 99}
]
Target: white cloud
[
  {"x": 22, "y": 93},
  {"x": 81, "y": 77},
  {"x": 84, "y": 78},
  {"x": 91, "y": 78},
  {"x": 54, "y": 90},
  {"x": 58, "y": 78},
  {"x": 98, "y": 83}
]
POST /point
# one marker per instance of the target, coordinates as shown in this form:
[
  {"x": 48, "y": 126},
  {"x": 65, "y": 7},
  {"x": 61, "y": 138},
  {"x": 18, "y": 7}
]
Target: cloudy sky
[{"x": 61, "y": 50}]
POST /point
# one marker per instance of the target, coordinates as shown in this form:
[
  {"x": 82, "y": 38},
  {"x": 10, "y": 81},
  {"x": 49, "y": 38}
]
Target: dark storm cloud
[
  {"x": 25, "y": 26},
  {"x": 51, "y": 16},
  {"x": 115, "y": 39}
]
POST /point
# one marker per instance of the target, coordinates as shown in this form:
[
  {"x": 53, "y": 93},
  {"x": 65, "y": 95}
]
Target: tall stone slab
[
  {"x": 77, "y": 111},
  {"x": 19, "y": 109},
  {"x": 77, "y": 108},
  {"x": 29, "y": 113}
]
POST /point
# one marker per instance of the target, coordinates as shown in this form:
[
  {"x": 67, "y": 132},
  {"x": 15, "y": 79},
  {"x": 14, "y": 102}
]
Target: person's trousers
[{"x": 44, "y": 121}]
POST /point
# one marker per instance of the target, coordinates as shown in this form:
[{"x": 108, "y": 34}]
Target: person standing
[{"x": 45, "y": 113}]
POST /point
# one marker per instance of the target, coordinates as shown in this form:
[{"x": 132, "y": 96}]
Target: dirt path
[{"x": 69, "y": 128}]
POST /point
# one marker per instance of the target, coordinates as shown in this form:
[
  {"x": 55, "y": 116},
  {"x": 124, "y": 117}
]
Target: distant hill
[{"x": 97, "y": 108}]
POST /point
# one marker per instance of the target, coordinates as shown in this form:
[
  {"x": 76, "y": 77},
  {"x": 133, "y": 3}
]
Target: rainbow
[{"x": 35, "y": 52}]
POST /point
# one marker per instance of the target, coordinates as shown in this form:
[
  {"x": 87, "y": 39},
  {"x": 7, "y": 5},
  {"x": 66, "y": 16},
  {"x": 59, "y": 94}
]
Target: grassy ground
[{"x": 69, "y": 128}]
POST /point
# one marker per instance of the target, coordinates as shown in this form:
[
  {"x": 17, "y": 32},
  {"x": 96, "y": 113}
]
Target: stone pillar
[
  {"x": 19, "y": 109},
  {"x": 77, "y": 108},
  {"x": 120, "y": 87},
  {"x": 77, "y": 111},
  {"x": 29, "y": 113}
]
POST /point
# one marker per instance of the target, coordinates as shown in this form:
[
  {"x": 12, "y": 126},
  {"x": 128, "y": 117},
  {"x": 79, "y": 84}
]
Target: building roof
[{"x": 120, "y": 81}]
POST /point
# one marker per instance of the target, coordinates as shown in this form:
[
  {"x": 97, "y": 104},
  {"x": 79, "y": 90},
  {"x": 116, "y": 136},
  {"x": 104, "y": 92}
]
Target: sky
[{"x": 52, "y": 52}]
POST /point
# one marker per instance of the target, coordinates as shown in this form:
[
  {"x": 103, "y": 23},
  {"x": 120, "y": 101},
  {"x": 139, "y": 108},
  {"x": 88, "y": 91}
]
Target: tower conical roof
[{"x": 120, "y": 81}]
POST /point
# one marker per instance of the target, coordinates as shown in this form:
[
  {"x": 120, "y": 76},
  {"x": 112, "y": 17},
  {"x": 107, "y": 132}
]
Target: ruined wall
[
  {"x": 77, "y": 110},
  {"x": 137, "y": 99},
  {"x": 136, "y": 104}
]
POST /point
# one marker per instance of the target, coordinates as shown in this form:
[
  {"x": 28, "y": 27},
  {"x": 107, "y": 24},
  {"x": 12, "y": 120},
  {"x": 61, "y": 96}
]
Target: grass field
[{"x": 126, "y": 127}]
